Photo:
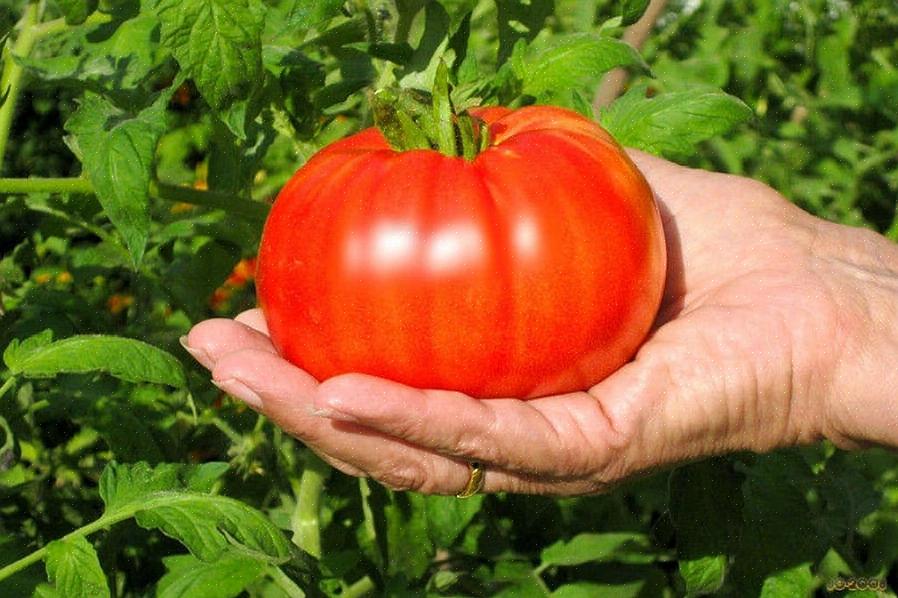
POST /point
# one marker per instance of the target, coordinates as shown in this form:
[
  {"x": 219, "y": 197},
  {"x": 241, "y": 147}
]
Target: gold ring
[{"x": 475, "y": 480}]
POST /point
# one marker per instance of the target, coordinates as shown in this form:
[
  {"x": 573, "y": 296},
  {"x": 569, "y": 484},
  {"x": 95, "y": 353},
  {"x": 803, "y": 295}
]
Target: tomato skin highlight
[{"x": 535, "y": 269}]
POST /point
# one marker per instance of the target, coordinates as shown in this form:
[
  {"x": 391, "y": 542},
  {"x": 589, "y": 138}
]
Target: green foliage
[{"x": 126, "y": 473}]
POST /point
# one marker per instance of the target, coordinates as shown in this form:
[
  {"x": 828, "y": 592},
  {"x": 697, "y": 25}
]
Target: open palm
[{"x": 734, "y": 362}]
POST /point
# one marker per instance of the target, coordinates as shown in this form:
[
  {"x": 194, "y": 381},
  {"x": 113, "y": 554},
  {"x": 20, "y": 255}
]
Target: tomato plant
[
  {"x": 535, "y": 268},
  {"x": 140, "y": 144}
]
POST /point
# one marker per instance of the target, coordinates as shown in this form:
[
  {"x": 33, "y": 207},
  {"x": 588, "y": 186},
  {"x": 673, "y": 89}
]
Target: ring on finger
[{"x": 476, "y": 475}]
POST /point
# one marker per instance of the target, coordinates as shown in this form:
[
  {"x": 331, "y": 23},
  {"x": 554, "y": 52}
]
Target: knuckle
[{"x": 400, "y": 477}]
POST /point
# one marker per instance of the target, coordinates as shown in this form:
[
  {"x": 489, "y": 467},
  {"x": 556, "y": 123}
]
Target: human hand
[{"x": 768, "y": 335}]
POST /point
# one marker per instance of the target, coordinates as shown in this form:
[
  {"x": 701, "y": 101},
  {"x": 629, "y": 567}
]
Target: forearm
[{"x": 861, "y": 269}]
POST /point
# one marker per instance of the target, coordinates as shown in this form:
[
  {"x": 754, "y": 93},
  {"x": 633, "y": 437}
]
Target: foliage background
[{"x": 197, "y": 496}]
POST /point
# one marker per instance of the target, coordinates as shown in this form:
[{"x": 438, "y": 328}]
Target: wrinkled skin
[{"x": 776, "y": 328}]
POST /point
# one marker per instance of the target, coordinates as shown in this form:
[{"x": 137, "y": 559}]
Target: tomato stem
[{"x": 410, "y": 119}]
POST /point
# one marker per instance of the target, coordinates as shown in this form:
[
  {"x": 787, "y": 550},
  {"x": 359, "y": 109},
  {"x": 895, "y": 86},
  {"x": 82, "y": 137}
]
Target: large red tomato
[{"x": 535, "y": 269}]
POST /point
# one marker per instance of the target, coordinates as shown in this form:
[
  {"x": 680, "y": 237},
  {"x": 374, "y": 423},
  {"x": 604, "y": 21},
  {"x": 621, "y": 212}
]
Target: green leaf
[
  {"x": 623, "y": 547},
  {"x": 189, "y": 577},
  {"x": 447, "y": 517},
  {"x": 76, "y": 11},
  {"x": 632, "y": 10},
  {"x": 779, "y": 532},
  {"x": 703, "y": 574},
  {"x": 576, "y": 61},
  {"x": 126, "y": 431},
  {"x": 671, "y": 124},
  {"x": 421, "y": 68},
  {"x": 121, "y": 485},
  {"x": 197, "y": 270},
  {"x": 127, "y": 359},
  {"x": 587, "y": 589},
  {"x": 409, "y": 549},
  {"x": 209, "y": 526},
  {"x": 19, "y": 350},
  {"x": 836, "y": 86},
  {"x": 848, "y": 495},
  {"x": 291, "y": 15},
  {"x": 796, "y": 582},
  {"x": 706, "y": 508},
  {"x": 118, "y": 149},
  {"x": 217, "y": 43},
  {"x": 370, "y": 534},
  {"x": 74, "y": 569},
  {"x": 174, "y": 499},
  {"x": 520, "y": 20}
]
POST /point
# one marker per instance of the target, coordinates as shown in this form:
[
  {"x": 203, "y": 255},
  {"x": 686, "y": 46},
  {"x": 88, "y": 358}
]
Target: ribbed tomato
[{"x": 536, "y": 268}]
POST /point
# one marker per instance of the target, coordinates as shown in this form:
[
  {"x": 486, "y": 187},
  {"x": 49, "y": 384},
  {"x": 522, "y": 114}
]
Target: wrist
[{"x": 860, "y": 269}]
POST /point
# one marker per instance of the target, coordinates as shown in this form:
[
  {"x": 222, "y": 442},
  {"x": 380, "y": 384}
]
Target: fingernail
[
  {"x": 324, "y": 410},
  {"x": 239, "y": 390},
  {"x": 197, "y": 354}
]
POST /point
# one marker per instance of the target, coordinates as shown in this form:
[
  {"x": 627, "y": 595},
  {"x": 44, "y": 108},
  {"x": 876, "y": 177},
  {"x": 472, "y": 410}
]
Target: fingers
[
  {"x": 566, "y": 436},
  {"x": 286, "y": 395},
  {"x": 254, "y": 319},
  {"x": 407, "y": 438},
  {"x": 211, "y": 340}
]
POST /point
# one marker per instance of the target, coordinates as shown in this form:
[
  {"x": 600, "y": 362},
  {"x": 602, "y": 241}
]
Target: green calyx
[{"x": 411, "y": 119}]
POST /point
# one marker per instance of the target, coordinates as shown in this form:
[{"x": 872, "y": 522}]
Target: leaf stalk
[{"x": 306, "y": 520}]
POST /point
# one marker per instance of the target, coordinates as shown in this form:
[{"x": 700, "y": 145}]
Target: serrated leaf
[
  {"x": 624, "y": 547},
  {"x": 172, "y": 498},
  {"x": 127, "y": 359},
  {"x": 671, "y": 124},
  {"x": 575, "y": 62},
  {"x": 118, "y": 150},
  {"x": 74, "y": 569},
  {"x": 303, "y": 14},
  {"x": 18, "y": 350},
  {"x": 121, "y": 484},
  {"x": 120, "y": 62},
  {"x": 217, "y": 43},
  {"x": 189, "y": 577},
  {"x": 210, "y": 525},
  {"x": 632, "y": 10}
]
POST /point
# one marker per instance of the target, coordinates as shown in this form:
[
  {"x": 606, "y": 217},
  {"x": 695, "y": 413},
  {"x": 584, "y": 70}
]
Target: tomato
[{"x": 536, "y": 268}]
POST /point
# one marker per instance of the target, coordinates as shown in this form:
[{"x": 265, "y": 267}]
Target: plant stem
[
  {"x": 10, "y": 382},
  {"x": 107, "y": 520},
  {"x": 46, "y": 28},
  {"x": 306, "y": 519},
  {"x": 245, "y": 208},
  {"x": 285, "y": 583},
  {"x": 45, "y": 185},
  {"x": 362, "y": 587},
  {"x": 614, "y": 81},
  {"x": 11, "y": 78}
]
